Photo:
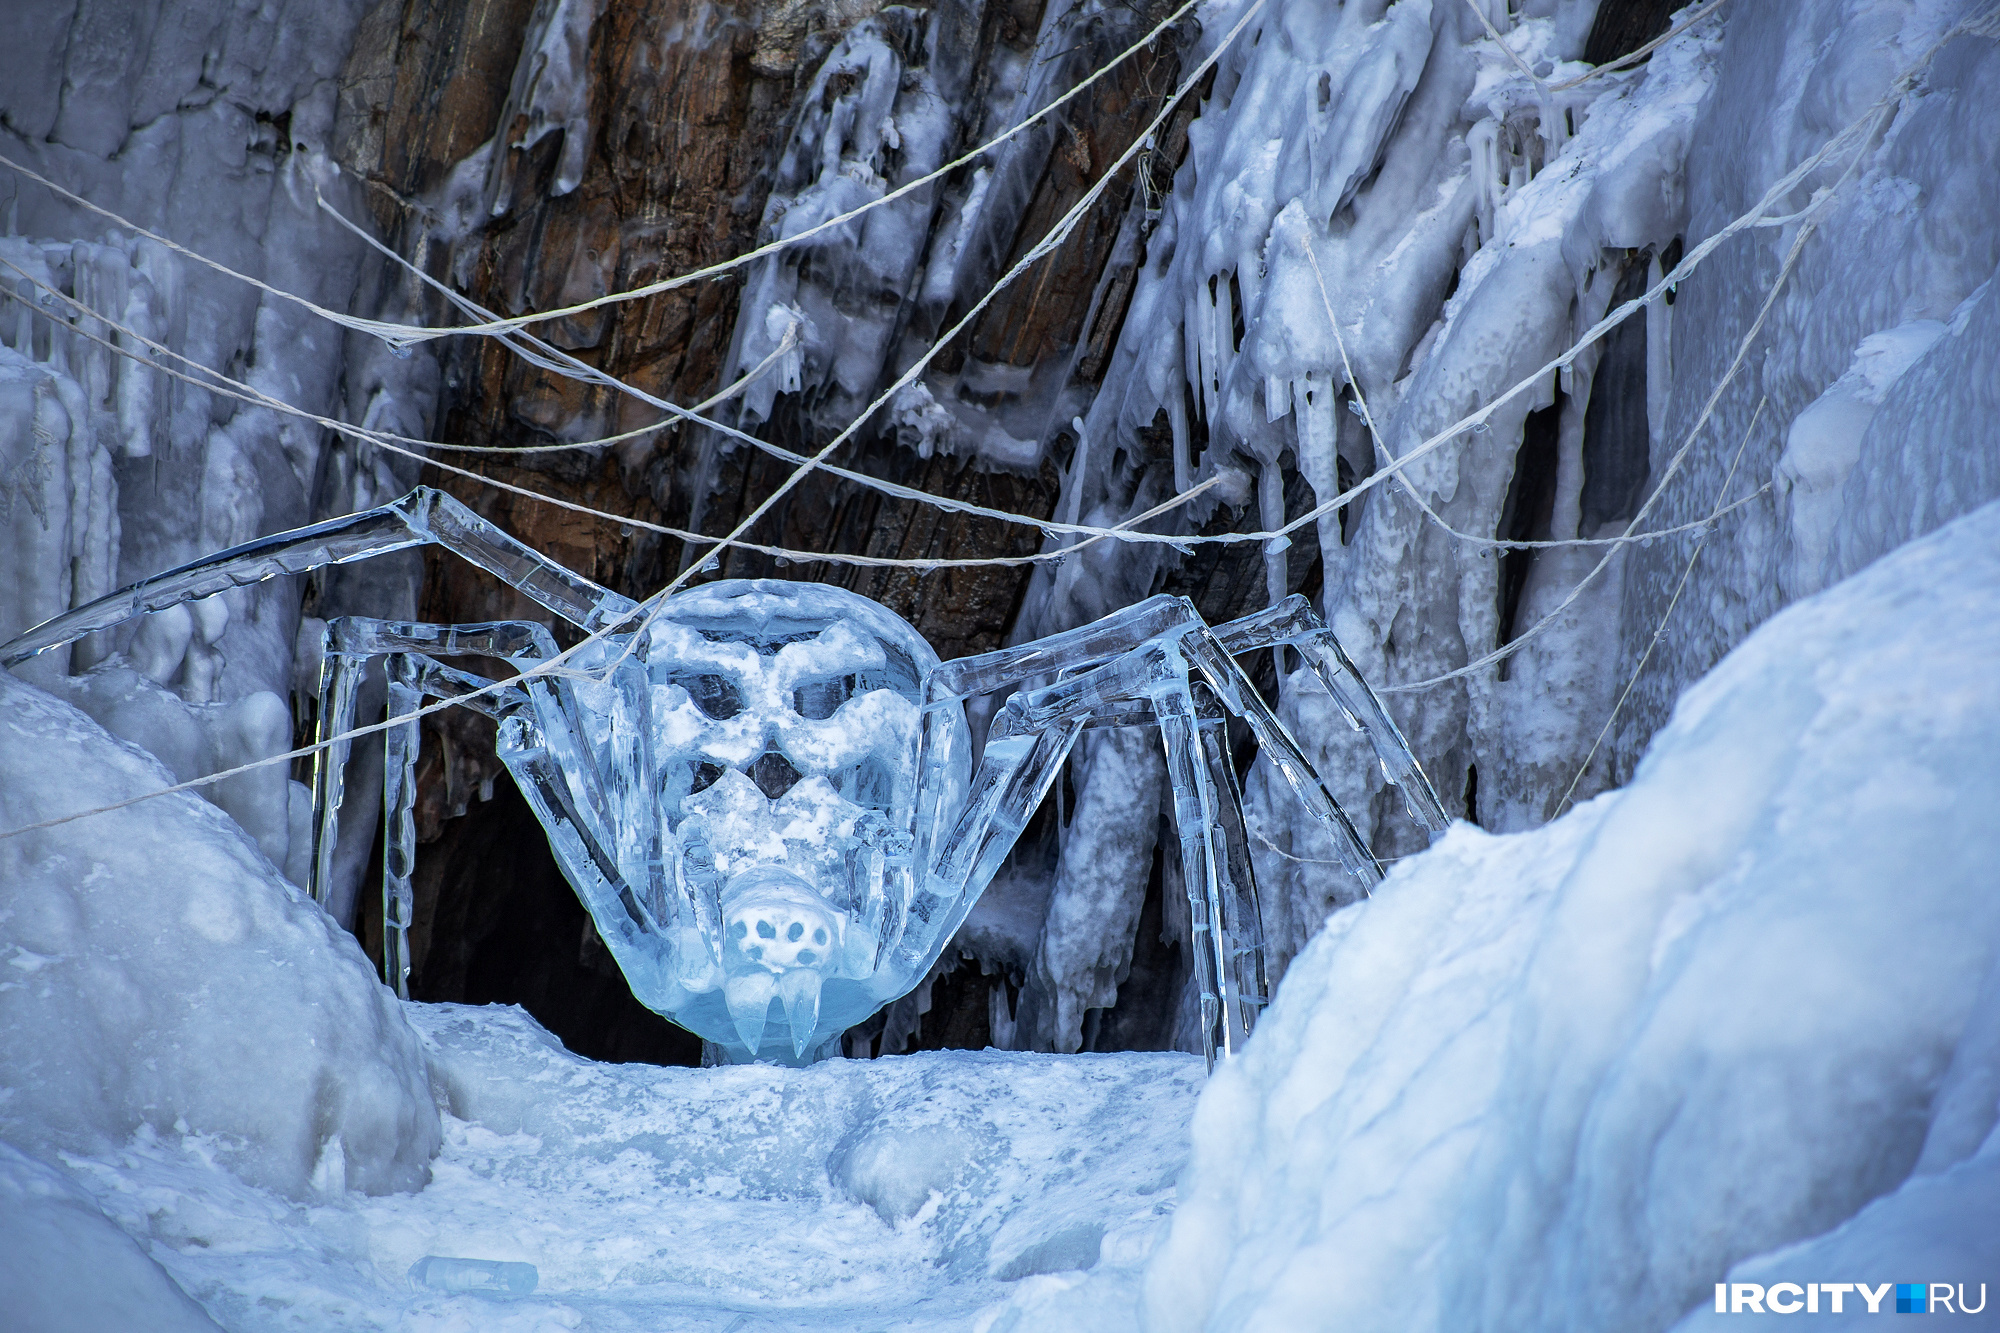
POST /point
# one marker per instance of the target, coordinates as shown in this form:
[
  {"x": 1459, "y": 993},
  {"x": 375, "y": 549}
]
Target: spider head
[{"x": 787, "y": 722}]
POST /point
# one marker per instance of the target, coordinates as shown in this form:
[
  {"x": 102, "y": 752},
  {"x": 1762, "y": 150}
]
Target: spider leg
[
  {"x": 411, "y": 677},
  {"x": 569, "y": 806},
  {"x": 557, "y": 772},
  {"x": 1014, "y": 775},
  {"x": 423, "y": 517},
  {"x": 1282, "y": 748},
  {"x": 1204, "y": 866},
  {"x": 1294, "y": 622},
  {"x": 951, "y": 683},
  {"x": 349, "y": 643},
  {"x": 1101, "y": 640},
  {"x": 1242, "y": 915},
  {"x": 1228, "y": 938}
]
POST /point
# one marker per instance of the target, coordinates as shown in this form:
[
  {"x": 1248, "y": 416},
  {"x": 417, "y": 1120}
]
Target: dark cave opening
[
  {"x": 498, "y": 924},
  {"x": 1529, "y": 512}
]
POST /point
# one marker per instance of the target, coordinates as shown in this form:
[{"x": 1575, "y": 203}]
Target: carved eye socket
[
  {"x": 795, "y": 932},
  {"x": 714, "y": 696},
  {"x": 822, "y": 698},
  {"x": 704, "y": 777}
]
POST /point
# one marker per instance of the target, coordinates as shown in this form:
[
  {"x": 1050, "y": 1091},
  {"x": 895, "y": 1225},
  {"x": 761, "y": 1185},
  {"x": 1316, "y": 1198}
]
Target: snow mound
[
  {"x": 156, "y": 971},
  {"x": 1567, "y": 1079},
  {"x": 64, "y": 1268}
]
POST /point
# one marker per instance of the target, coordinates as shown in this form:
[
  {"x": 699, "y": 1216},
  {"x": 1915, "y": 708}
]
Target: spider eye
[
  {"x": 796, "y": 931},
  {"x": 714, "y": 696}
]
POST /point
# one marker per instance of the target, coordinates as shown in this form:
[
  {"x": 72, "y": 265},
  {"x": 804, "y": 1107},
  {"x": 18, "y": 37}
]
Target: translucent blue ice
[{"x": 483, "y": 1277}]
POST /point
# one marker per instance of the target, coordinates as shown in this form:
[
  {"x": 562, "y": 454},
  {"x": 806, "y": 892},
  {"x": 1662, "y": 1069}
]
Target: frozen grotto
[{"x": 1690, "y": 620}]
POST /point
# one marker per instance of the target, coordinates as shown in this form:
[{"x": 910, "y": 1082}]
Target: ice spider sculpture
[{"x": 764, "y": 793}]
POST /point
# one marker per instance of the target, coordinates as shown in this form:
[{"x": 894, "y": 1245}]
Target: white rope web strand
[
  {"x": 1407, "y": 487},
  {"x": 228, "y": 388},
  {"x": 404, "y": 335},
  {"x": 1514, "y": 645},
  {"x": 1756, "y": 216},
  {"x": 1876, "y": 117},
  {"x": 1542, "y": 89},
  {"x": 1125, "y": 530},
  {"x": 653, "y": 606},
  {"x": 1857, "y": 132},
  {"x": 1634, "y": 57},
  {"x": 1393, "y": 467}
]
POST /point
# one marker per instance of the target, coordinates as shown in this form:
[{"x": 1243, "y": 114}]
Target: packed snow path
[{"x": 897, "y": 1194}]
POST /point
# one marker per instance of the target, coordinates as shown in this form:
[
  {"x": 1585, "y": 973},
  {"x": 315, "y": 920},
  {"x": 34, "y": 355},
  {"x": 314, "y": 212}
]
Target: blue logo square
[{"x": 1913, "y": 1298}]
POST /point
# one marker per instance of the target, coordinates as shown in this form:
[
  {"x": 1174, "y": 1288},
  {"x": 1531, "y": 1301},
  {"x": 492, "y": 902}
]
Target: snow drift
[
  {"x": 1567, "y": 1078},
  {"x": 65, "y": 1268},
  {"x": 159, "y": 974}
]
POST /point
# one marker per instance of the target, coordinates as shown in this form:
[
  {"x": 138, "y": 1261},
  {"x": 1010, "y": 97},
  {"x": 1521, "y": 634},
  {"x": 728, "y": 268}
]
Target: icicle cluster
[
  {"x": 1385, "y": 218},
  {"x": 111, "y": 469}
]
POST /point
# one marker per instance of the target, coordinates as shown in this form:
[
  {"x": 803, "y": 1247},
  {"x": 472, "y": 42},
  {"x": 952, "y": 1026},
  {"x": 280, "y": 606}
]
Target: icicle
[
  {"x": 1659, "y": 360},
  {"x": 1176, "y": 406},
  {"x": 799, "y": 990},
  {"x": 1277, "y": 397},
  {"x": 749, "y": 1000},
  {"x": 1271, "y": 509},
  {"x": 24, "y": 319}
]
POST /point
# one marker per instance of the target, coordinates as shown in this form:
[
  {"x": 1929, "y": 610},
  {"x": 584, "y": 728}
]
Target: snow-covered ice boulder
[
  {"x": 65, "y": 1268},
  {"x": 1567, "y": 1079},
  {"x": 156, "y": 970}
]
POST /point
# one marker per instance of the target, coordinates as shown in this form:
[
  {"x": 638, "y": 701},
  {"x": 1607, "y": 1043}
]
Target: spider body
[{"x": 764, "y": 792}]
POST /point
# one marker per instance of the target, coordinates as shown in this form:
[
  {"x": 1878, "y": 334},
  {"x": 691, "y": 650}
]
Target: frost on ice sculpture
[{"x": 763, "y": 791}]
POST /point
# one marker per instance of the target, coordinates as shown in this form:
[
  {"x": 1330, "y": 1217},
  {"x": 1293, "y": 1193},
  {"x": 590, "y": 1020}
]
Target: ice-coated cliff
[
  {"x": 208, "y": 123},
  {"x": 1463, "y": 214},
  {"x": 1387, "y": 216}
]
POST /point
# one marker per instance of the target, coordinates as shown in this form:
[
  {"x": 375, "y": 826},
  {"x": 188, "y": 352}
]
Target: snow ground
[
  {"x": 908, "y": 1193},
  {"x": 209, "y": 1063}
]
